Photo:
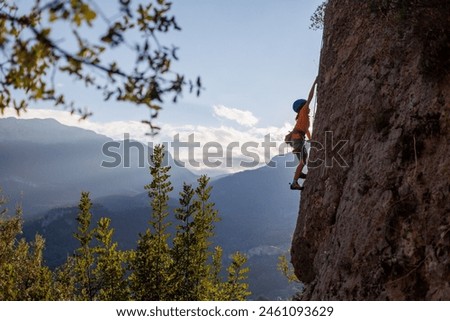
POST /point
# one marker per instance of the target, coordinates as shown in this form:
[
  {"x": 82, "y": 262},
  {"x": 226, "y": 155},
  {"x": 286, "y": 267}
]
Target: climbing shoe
[{"x": 296, "y": 186}]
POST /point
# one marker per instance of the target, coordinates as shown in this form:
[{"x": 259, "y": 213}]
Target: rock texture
[{"x": 379, "y": 228}]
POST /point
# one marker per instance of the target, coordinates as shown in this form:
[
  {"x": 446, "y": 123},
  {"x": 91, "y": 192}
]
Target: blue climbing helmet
[{"x": 298, "y": 104}]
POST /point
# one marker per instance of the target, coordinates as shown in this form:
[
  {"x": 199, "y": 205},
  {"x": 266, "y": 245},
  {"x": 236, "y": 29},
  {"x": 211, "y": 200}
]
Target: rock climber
[{"x": 298, "y": 134}]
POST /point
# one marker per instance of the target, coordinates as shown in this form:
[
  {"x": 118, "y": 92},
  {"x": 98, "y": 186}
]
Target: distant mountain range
[{"x": 46, "y": 165}]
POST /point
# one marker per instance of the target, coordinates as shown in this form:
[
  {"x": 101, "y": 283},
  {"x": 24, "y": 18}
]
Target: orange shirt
[{"x": 302, "y": 123}]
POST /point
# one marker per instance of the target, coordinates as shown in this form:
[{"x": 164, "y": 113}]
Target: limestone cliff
[{"x": 379, "y": 228}]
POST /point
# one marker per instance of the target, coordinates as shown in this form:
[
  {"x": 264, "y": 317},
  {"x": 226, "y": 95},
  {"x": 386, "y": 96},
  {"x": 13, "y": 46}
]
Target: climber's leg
[{"x": 300, "y": 152}]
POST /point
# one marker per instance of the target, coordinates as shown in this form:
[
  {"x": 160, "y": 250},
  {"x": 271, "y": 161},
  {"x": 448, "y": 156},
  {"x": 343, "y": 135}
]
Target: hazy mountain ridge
[
  {"x": 45, "y": 164},
  {"x": 47, "y": 131}
]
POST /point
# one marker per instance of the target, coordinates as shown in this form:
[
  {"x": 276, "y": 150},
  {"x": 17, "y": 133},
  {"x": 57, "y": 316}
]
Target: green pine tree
[
  {"x": 97, "y": 269},
  {"x": 110, "y": 270},
  {"x": 64, "y": 287},
  {"x": 236, "y": 288},
  {"x": 23, "y": 276},
  {"x": 197, "y": 268},
  {"x": 205, "y": 218},
  {"x": 84, "y": 261},
  {"x": 183, "y": 249},
  {"x": 286, "y": 269},
  {"x": 213, "y": 286},
  {"x": 151, "y": 262}
]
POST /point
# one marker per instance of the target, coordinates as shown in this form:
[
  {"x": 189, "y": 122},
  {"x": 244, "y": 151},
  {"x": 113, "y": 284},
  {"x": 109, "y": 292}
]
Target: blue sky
[{"x": 255, "y": 57}]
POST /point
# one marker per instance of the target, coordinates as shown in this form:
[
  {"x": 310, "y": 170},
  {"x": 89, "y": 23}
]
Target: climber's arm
[{"x": 311, "y": 92}]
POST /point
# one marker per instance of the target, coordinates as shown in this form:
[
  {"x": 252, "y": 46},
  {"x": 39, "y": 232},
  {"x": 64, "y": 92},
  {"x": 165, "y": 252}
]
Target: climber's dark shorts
[{"x": 300, "y": 149}]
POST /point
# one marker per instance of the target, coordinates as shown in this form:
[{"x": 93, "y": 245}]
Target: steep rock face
[{"x": 379, "y": 228}]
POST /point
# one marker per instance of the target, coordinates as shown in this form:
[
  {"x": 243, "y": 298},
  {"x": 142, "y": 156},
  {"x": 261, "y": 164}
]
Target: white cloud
[
  {"x": 235, "y": 145},
  {"x": 242, "y": 117}
]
